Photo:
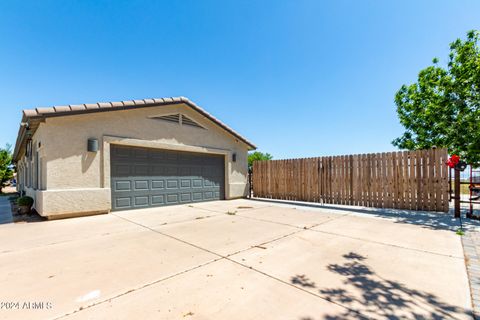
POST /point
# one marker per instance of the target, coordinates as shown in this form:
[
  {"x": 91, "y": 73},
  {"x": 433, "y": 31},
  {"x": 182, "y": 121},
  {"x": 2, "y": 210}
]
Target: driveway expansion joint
[
  {"x": 345, "y": 236},
  {"x": 227, "y": 257},
  {"x": 137, "y": 288},
  {"x": 45, "y": 245},
  {"x": 223, "y": 211},
  {"x": 387, "y": 244},
  {"x": 294, "y": 226}
]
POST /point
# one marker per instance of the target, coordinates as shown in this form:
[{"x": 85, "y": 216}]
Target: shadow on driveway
[{"x": 378, "y": 296}]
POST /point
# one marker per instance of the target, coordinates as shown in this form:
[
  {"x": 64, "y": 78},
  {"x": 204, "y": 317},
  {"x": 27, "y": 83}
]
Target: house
[{"x": 95, "y": 158}]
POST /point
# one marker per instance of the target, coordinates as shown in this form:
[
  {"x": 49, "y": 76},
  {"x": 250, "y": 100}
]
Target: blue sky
[{"x": 297, "y": 78}]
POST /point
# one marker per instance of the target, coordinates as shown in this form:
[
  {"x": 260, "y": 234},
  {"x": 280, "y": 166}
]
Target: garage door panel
[
  {"x": 157, "y": 170},
  {"x": 142, "y": 185},
  {"x": 197, "y": 196},
  {"x": 184, "y": 171},
  {"x": 172, "y": 198},
  {"x": 141, "y": 170},
  {"x": 123, "y": 202},
  {"x": 141, "y": 201},
  {"x": 197, "y": 183},
  {"x": 158, "y": 156},
  {"x": 185, "y": 183},
  {"x": 172, "y": 156},
  {"x": 196, "y": 171},
  {"x": 158, "y": 184},
  {"x": 121, "y": 170},
  {"x": 207, "y": 183},
  {"x": 185, "y": 197},
  {"x": 170, "y": 170},
  {"x": 158, "y": 199},
  {"x": 206, "y": 171},
  {"x": 143, "y": 177},
  {"x": 172, "y": 184},
  {"x": 185, "y": 158},
  {"x": 122, "y": 153},
  {"x": 140, "y": 154},
  {"x": 123, "y": 185}
]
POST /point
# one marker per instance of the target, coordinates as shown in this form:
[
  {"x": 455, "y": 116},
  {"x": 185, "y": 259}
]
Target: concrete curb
[{"x": 471, "y": 248}]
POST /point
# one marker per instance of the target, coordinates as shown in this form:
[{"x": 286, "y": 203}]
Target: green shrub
[{"x": 25, "y": 201}]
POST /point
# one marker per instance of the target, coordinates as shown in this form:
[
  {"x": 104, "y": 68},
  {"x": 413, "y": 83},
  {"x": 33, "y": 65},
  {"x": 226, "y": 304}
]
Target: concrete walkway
[
  {"x": 5, "y": 210},
  {"x": 236, "y": 259}
]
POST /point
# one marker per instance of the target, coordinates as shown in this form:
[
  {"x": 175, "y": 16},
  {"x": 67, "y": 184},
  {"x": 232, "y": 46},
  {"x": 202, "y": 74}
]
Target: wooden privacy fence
[{"x": 414, "y": 180}]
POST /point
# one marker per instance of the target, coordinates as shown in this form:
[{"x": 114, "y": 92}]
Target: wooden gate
[{"x": 413, "y": 180}]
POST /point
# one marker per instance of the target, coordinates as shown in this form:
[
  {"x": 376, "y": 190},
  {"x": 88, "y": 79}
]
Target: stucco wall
[
  {"x": 73, "y": 173},
  {"x": 26, "y": 182}
]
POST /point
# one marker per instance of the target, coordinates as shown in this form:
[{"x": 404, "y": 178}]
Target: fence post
[
  {"x": 250, "y": 186},
  {"x": 457, "y": 193}
]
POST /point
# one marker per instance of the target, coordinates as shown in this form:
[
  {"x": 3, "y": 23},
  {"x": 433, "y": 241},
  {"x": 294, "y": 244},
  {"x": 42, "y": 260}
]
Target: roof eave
[
  {"x": 34, "y": 115},
  {"x": 20, "y": 139}
]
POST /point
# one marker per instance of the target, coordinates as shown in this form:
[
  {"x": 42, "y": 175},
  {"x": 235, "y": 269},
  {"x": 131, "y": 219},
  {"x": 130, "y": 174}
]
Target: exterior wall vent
[
  {"x": 189, "y": 122},
  {"x": 175, "y": 118},
  {"x": 179, "y": 119}
]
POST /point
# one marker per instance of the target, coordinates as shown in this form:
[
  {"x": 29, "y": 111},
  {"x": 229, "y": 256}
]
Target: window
[
  {"x": 29, "y": 174},
  {"x": 28, "y": 152},
  {"x": 33, "y": 167},
  {"x": 37, "y": 171},
  {"x": 19, "y": 177},
  {"x": 42, "y": 174}
]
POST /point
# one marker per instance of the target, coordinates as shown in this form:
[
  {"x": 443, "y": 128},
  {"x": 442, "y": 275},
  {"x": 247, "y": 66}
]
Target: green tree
[
  {"x": 6, "y": 167},
  {"x": 257, "y": 156},
  {"x": 443, "y": 107}
]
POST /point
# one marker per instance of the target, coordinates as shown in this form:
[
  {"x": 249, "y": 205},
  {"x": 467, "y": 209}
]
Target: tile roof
[{"x": 34, "y": 116}]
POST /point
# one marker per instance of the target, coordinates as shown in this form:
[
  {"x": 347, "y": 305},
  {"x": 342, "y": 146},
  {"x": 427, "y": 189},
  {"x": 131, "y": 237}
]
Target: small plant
[
  {"x": 460, "y": 232},
  {"x": 231, "y": 213},
  {"x": 25, "y": 201},
  {"x": 25, "y": 204}
]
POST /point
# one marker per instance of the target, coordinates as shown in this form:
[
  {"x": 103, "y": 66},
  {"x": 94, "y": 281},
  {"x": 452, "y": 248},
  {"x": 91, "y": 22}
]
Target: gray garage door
[{"x": 142, "y": 177}]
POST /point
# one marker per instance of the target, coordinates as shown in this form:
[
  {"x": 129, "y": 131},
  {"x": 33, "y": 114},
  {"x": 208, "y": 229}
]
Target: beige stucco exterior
[{"x": 73, "y": 181}]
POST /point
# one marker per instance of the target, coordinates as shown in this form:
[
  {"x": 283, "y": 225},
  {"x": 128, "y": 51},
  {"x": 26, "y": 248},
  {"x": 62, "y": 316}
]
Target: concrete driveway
[{"x": 239, "y": 259}]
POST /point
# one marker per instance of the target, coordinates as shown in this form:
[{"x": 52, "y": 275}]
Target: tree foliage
[
  {"x": 6, "y": 170},
  {"x": 257, "y": 156},
  {"x": 443, "y": 107}
]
